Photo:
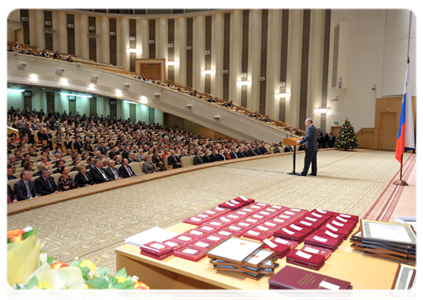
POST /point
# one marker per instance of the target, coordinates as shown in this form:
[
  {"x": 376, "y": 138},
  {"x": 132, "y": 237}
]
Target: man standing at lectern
[{"x": 310, "y": 141}]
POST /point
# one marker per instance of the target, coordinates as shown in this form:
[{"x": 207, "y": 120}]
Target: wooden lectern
[{"x": 292, "y": 142}]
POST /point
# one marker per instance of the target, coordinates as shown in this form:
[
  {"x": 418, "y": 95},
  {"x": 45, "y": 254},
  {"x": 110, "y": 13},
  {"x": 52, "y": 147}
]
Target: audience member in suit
[
  {"x": 325, "y": 139},
  {"x": 125, "y": 153},
  {"x": 111, "y": 171},
  {"x": 66, "y": 181},
  {"x": 233, "y": 155},
  {"x": 206, "y": 157},
  {"x": 288, "y": 149},
  {"x": 97, "y": 173},
  {"x": 158, "y": 161},
  {"x": 125, "y": 170},
  {"x": 148, "y": 167},
  {"x": 68, "y": 143},
  {"x": 263, "y": 149},
  {"x": 239, "y": 153},
  {"x": 57, "y": 55},
  {"x": 331, "y": 141},
  {"x": 131, "y": 157},
  {"x": 214, "y": 156},
  {"x": 11, "y": 195},
  {"x": 276, "y": 149},
  {"x": 59, "y": 164},
  {"x": 83, "y": 178},
  {"x": 10, "y": 171},
  {"x": 102, "y": 148},
  {"x": 25, "y": 188},
  {"x": 78, "y": 146},
  {"x": 118, "y": 160},
  {"x": 310, "y": 142},
  {"x": 45, "y": 183},
  {"x": 251, "y": 152},
  {"x": 245, "y": 151},
  {"x": 173, "y": 160},
  {"x": 197, "y": 158}
]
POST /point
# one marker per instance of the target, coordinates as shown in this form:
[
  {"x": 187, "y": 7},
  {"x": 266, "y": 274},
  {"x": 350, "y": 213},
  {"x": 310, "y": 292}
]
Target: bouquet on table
[{"x": 29, "y": 268}]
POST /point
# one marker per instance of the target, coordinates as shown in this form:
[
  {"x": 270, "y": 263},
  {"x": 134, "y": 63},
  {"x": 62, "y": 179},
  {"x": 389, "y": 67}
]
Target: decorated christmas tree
[{"x": 346, "y": 139}]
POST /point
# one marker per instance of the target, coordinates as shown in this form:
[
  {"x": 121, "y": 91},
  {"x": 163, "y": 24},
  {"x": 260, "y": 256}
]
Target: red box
[
  {"x": 214, "y": 238},
  {"x": 247, "y": 200},
  {"x": 190, "y": 252},
  {"x": 156, "y": 248},
  {"x": 183, "y": 238},
  {"x": 258, "y": 235},
  {"x": 175, "y": 243},
  {"x": 161, "y": 257},
  {"x": 282, "y": 241},
  {"x": 316, "y": 250}
]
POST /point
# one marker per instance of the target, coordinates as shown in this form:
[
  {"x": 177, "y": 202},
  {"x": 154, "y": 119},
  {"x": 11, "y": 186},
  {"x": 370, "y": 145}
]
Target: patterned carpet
[{"x": 92, "y": 227}]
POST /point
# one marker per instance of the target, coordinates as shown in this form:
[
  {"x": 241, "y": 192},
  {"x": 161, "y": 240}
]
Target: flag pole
[{"x": 401, "y": 182}]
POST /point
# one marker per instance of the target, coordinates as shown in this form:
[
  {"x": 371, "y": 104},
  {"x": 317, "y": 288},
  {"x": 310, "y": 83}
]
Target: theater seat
[
  {"x": 187, "y": 161},
  {"x": 136, "y": 168}
]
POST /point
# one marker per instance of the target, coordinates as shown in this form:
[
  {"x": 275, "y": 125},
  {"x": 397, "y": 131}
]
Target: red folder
[
  {"x": 330, "y": 234},
  {"x": 323, "y": 242},
  {"x": 190, "y": 252},
  {"x": 247, "y": 200},
  {"x": 316, "y": 250},
  {"x": 156, "y": 248},
  {"x": 161, "y": 257},
  {"x": 175, "y": 243},
  {"x": 258, "y": 235},
  {"x": 307, "y": 260}
]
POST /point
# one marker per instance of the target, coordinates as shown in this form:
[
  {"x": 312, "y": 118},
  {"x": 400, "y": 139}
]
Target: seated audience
[
  {"x": 148, "y": 167},
  {"x": 45, "y": 183},
  {"x": 111, "y": 171},
  {"x": 173, "y": 160},
  {"x": 83, "y": 178},
  {"x": 66, "y": 181},
  {"x": 25, "y": 188},
  {"x": 125, "y": 170}
]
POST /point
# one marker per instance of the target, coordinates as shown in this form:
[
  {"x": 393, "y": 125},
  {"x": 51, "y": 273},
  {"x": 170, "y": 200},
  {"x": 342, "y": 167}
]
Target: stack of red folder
[
  {"x": 156, "y": 250},
  {"x": 197, "y": 219},
  {"x": 308, "y": 217},
  {"x": 330, "y": 234},
  {"x": 307, "y": 224},
  {"x": 343, "y": 222},
  {"x": 322, "y": 242},
  {"x": 282, "y": 221},
  {"x": 346, "y": 216},
  {"x": 213, "y": 238},
  {"x": 333, "y": 226},
  {"x": 280, "y": 249},
  {"x": 297, "y": 211},
  {"x": 190, "y": 252},
  {"x": 321, "y": 212},
  {"x": 216, "y": 212},
  {"x": 316, "y": 250},
  {"x": 233, "y": 204},
  {"x": 256, "y": 234},
  {"x": 278, "y": 240},
  {"x": 293, "y": 278},
  {"x": 306, "y": 260},
  {"x": 290, "y": 234},
  {"x": 196, "y": 233},
  {"x": 175, "y": 243},
  {"x": 215, "y": 223}
]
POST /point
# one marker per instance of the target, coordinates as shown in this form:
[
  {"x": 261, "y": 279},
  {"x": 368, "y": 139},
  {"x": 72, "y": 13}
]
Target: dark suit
[
  {"x": 263, "y": 150},
  {"x": 43, "y": 188},
  {"x": 198, "y": 160},
  {"x": 124, "y": 172},
  {"x": 97, "y": 175},
  {"x": 245, "y": 152},
  {"x": 21, "y": 192},
  {"x": 173, "y": 160},
  {"x": 310, "y": 142},
  {"x": 110, "y": 173},
  {"x": 251, "y": 152},
  {"x": 81, "y": 181},
  {"x": 214, "y": 157},
  {"x": 233, "y": 155},
  {"x": 78, "y": 147},
  {"x": 103, "y": 150},
  {"x": 68, "y": 145},
  {"x": 206, "y": 159},
  {"x": 240, "y": 154}
]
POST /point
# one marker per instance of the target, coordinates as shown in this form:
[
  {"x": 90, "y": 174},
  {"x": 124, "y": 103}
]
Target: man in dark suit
[
  {"x": 97, "y": 172},
  {"x": 25, "y": 188},
  {"x": 206, "y": 157},
  {"x": 125, "y": 169},
  {"x": 173, "y": 160},
  {"x": 10, "y": 170},
  {"x": 111, "y": 171},
  {"x": 197, "y": 159},
  {"x": 331, "y": 142},
  {"x": 251, "y": 152},
  {"x": 40, "y": 167},
  {"x": 233, "y": 154},
  {"x": 325, "y": 139},
  {"x": 45, "y": 183},
  {"x": 263, "y": 149},
  {"x": 239, "y": 153},
  {"x": 78, "y": 146},
  {"x": 59, "y": 164},
  {"x": 102, "y": 148},
  {"x": 214, "y": 156},
  {"x": 310, "y": 143}
]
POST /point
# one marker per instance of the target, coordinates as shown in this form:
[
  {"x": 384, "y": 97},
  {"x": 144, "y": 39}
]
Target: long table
[{"x": 364, "y": 272}]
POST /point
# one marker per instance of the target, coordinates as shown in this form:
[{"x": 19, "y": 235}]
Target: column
[
  {"x": 198, "y": 49},
  {"x": 83, "y": 44},
  {"x": 315, "y": 64},
  {"x": 180, "y": 50},
  {"x": 104, "y": 40},
  {"x": 273, "y": 62},
  {"x": 254, "y": 59},
  {"x": 123, "y": 36},
  {"x": 60, "y": 22},
  {"x": 36, "y": 26},
  {"x": 217, "y": 55},
  {"x": 235, "y": 57},
  {"x": 293, "y": 78}
]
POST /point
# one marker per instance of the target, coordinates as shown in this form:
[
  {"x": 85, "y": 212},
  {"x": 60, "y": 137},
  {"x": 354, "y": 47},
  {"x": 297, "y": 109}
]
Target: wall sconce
[
  {"x": 208, "y": 72},
  {"x": 91, "y": 87},
  {"x": 118, "y": 93},
  {"x": 137, "y": 51},
  {"x": 244, "y": 83},
  {"x": 64, "y": 81},
  {"x": 143, "y": 100},
  {"x": 283, "y": 95},
  {"x": 172, "y": 63},
  {"x": 322, "y": 110}
]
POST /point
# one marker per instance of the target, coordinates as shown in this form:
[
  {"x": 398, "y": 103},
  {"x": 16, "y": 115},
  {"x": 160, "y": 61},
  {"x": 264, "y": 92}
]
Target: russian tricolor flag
[{"x": 405, "y": 141}]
